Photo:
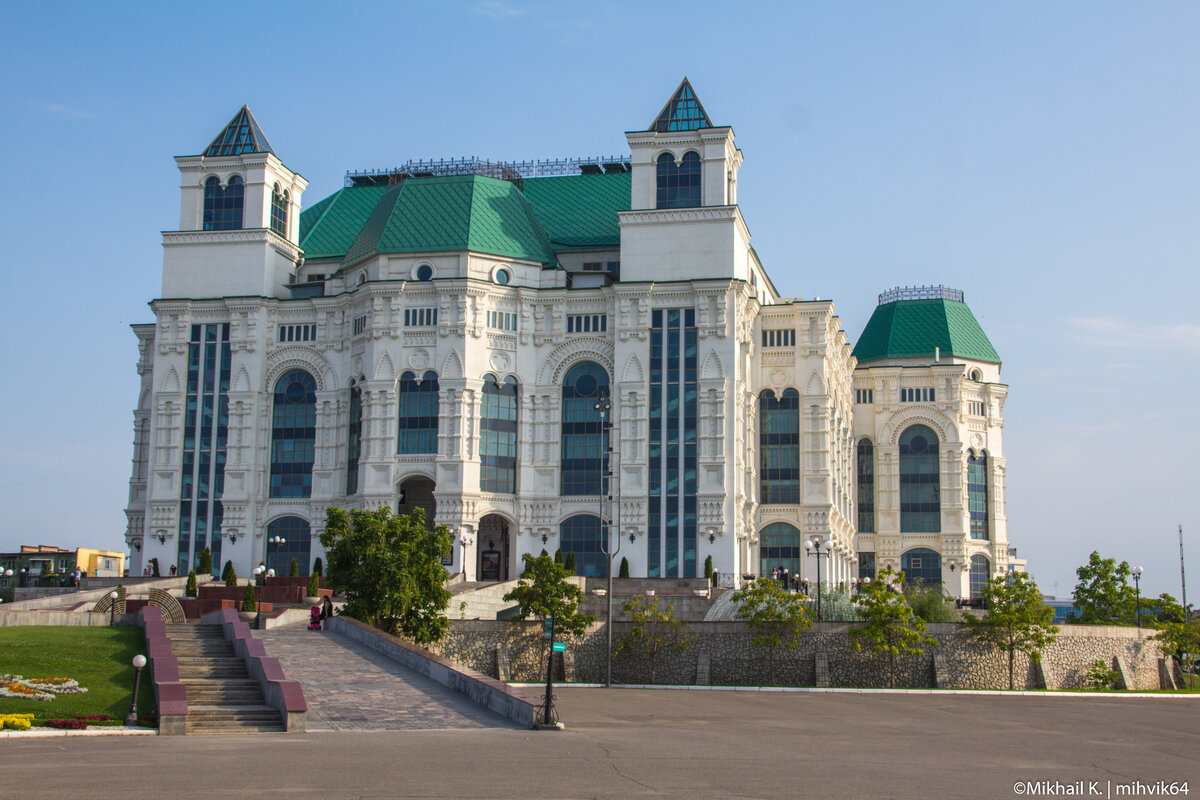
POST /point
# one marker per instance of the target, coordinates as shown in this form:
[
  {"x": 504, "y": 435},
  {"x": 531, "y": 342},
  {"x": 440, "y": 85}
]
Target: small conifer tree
[
  {"x": 248, "y": 601},
  {"x": 624, "y": 571},
  {"x": 190, "y": 589}
]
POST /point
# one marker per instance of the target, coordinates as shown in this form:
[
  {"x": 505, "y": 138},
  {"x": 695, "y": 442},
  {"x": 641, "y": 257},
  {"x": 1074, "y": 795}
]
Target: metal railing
[
  {"x": 513, "y": 171},
  {"x": 921, "y": 293}
]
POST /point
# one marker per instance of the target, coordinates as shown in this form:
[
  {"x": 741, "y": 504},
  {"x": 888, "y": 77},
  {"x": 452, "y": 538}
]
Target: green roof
[
  {"x": 580, "y": 211},
  {"x": 468, "y": 212},
  {"x": 328, "y": 229},
  {"x": 919, "y": 328},
  {"x": 459, "y": 212}
]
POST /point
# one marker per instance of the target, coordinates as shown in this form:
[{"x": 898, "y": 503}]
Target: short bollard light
[
  {"x": 112, "y": 609},
  {"x": 131, "y": 718}
]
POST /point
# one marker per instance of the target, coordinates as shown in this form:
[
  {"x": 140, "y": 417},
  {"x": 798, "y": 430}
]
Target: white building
[{"x": 460, "y": 336}]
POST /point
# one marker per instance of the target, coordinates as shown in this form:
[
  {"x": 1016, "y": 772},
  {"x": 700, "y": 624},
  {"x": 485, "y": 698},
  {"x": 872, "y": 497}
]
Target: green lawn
[{"x": 99, "y": 658}]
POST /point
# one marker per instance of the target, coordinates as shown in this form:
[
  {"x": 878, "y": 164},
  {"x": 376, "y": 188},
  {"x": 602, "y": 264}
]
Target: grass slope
[{"x": 99, "y": 658}]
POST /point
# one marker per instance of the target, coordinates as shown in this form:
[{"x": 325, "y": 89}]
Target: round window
[
  {"x": 918, "y": 444},
  {"x": 424, "y": 272},
  {"x": 502, "y": 277},
  {"x": 295, "y": 392},
  {"x": 585, "y": 386}
]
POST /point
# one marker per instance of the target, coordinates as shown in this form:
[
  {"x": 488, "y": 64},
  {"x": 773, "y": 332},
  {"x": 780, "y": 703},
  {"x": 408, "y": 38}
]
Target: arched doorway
[
  {"x": 493, "y": 547},
  {"x": 417, "y": 492}
]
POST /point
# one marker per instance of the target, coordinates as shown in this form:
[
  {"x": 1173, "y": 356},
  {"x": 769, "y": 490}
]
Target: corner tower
[
  {"x": 239, "y": 217},
  {"x": 684, "y": 222}
]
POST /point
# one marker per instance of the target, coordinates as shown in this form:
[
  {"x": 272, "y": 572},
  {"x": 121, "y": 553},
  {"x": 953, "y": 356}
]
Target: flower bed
[
  {"x": 16, "y": 722},
  {"x": 67, "y": 724},
  {"x": 21, "y": 688}
]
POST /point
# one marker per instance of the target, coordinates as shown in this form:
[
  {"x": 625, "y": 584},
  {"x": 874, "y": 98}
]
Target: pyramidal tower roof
[
  {"x": 682, "y": 112},
  {"x": 921, "y": 322},
  {"x": 241, "y": 135}
]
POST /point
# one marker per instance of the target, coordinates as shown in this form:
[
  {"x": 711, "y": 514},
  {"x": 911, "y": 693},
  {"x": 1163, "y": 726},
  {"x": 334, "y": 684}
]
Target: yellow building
[{"x": 100, "y": 563}]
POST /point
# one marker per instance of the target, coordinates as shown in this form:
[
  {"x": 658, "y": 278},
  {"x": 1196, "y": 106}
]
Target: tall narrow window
[
  {"x": 584, "y": 438},
  {"x": 866, "y": 487},
  {"x": 583, "y": 535},
  {"x": 920, "y": 504},
  {"x": 417, "y": 419},
  {"x": 205, "y": 432},
  {"x": 498, "y": 436},
  {"x": 981, "y": 572},
  {"x": 293, "y": 434},
  {"x": 779, "y": 442},
  {"x": 977, "y": 494},
  {"x": 223, "y": 207},
  {"x": 678, "y": 184},
  {"x": 279, "y": 211},
  {"x": 354, "y": 440},
  {"x": 780, "y": 548}
]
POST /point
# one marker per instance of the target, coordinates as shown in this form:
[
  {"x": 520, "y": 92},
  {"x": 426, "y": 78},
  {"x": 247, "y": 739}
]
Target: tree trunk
[
  {"x": 772, "y": 663},
  {"x": 1010, "y": 668}
]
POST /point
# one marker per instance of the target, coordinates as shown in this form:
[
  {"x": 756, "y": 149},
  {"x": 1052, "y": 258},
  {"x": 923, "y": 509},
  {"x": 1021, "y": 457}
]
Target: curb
[{"x": 110, "y": 730}]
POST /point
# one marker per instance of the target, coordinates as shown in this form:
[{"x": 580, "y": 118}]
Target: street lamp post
[
  {"x": 604, "y": 406},
  {"x": 274, "y": 540},
  {"x": 139, "y": 661},
  {"x": 1137, "y": 583},
  {"x": 813, "y": 546},
  {"x": 112, "y": 609},
  {"x": 261, "y": 574}
]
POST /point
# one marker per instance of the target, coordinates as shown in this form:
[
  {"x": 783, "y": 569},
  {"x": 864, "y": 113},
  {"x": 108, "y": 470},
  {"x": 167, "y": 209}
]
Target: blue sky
[{"x": 1043, "y": 157}]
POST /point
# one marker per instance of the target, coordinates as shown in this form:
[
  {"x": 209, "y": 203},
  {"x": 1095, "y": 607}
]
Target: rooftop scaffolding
[{"x": 512, "y": 171}]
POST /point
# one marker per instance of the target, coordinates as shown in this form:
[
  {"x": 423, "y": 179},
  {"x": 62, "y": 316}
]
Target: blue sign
[{"x": 559, "y": 647}]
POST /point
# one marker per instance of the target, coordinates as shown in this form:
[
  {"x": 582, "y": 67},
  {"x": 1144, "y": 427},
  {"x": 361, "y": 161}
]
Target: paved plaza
[
  {"x": 626, "y": 743},
  {"x": 350, "y": 687}
]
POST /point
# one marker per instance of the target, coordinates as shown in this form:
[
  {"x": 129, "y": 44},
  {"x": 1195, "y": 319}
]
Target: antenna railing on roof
[
  {"x": 513, "y": 171},
  {"x": 921, "y": 293}
]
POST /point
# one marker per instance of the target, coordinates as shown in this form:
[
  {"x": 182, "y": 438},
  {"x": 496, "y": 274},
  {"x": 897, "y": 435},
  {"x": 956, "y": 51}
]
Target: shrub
[
  {"x": 293, "y": 569},
  {"x": 190, "y": 589},
  {"x": 1100, "y": 677},
  {"x": 318, "y": 567},
  {"x": 231, "y": 579},
  {"x": 570, "y": 563},
  {"x": 930, "y": 603},
  {"x": 708, "y": 570},
  {"x": 558, "y": 556},
  {"x": 67, "y": 724},
  {"x": 225, "y": 572},
  {"x": 16, "y": 722},
  {"x": 248, "y": 601},
  {"x": 204, "y": 563},
  {"x": 624, "y": 571},
  {"x": 154, "y": 568},
  {"x": 314, "y": 585}
]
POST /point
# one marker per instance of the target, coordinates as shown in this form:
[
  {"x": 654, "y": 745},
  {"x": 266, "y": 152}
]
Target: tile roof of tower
[{"x": 922, "y": 328}]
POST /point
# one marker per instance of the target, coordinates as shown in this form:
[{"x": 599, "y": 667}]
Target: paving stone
[{"x": 352, "y": 688}]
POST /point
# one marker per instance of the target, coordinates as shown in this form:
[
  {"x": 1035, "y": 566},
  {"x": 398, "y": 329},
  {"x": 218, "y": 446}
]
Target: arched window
[
  {"x": 279, "y": 210},
  {"x": 293, "y": 434},
  {"x": 584, "y": 438},
  {"x": 297, "y": 544},
  {"x": 354, "y": 440},
  {"x": 866, "y": 486},
  {"x": 977, "y": 494},
  {"x": 779, "y": 547},
  {"x": 498, "y": 436},
  {"x": 223, "y": 207},
  {"x": 583, "y": 535},
  {"x": 920, "y": 506},
  {"x": 417, "y": 419},
  {"x": 921, "y": 565},
  {"x": 981, "y": 572},
  {"x": 779, "y": 442},
  {"x": 678, "y": 184}
]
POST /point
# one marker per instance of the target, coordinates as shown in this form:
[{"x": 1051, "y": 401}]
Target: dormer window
[
  {"x": 679, "y": 184},
  {"x": 279, "y": 211},
  {"x": 223, "y": 206}
]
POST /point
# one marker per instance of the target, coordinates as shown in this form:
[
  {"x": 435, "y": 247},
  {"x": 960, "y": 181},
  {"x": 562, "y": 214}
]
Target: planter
[
  {"x": 700, "y": 592},
  {"x": 600, "y": 592},
  {"x": 247, "y": 616},
  {"x": 312, "y": 601},
  {"x": 649, "y": 593}
]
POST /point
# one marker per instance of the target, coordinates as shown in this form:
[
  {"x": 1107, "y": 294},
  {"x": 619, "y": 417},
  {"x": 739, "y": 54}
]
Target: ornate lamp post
[
  {"x": 261, "y": 574},
  {"x": 1137, "y": 584},
  {"x": 112, "y": 609},
  {"x": 273, "y": 540},
  {"x": 139, "y": 661},
  {"x": 814, "y": 548},
  {"x": 604, "y": 406}
]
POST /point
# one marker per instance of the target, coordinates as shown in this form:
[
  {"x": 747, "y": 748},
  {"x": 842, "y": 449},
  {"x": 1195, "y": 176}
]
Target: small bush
[
  {"x": 231, "y": 576},
  {"x": 1100, "y": 677},
  {"x": 708, "y": 570},
  {"x": 930, "y": 603},
  {"x": 293, "y": 569},
  {"x": 154, "y": 568},
  {"x": 314, "y": 585},
  {"x": 190, "y": 589},
  {"x": 248, "y": 601},
  {"x": 570, "y": 565},
  {"x": 16, "y": 722},
  {"x": 204, "y": 563},
  {"x": 624, "y": 571},
  {"x": 67, "y": 724},
  {"x": 318, "y": 567}
]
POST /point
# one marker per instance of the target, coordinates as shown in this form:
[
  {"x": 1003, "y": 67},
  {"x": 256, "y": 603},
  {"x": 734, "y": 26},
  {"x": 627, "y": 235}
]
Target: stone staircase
[{"x": 221, "y": 695}]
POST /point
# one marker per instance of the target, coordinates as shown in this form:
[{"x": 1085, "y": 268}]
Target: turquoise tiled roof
[
  {"x": 581, "y": 210},
  {"x": 459, "y": 212},
  {"x": 919, "y": 328},
  {"x": 468, "y": 212}
]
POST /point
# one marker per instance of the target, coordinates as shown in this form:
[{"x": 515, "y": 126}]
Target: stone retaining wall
[{"x": 732, "y": 660}]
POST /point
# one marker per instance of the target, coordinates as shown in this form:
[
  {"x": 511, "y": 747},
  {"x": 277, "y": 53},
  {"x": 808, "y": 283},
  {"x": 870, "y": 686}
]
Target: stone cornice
[
  {"x": 242, "y": 236},
  {"x": 662, "y": 216}
]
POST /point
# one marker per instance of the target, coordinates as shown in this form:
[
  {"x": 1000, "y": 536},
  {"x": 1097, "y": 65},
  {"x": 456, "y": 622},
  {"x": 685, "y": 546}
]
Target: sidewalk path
[{"x": 352, "y": 688}]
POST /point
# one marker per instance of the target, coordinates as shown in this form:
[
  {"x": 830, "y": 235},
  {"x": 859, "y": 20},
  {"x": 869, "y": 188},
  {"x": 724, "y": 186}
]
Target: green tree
[
  {"x": 1103, "y": 595},
  {"x": 558, "y": 557},
  {"x": 929, "y": 602},
  {"x": 225, "y": 572},
  {"x": 708, "y": 568},
  {"x": 190, "y": 589},
  {"x": 890, "y": 625},
  {"x": 775, "y": 617},
  {"x": 314, "y": 585},
  {"x": 318, "y": 567},
  {"x": 1016, "y": 620},
  {"x": 389, "y": 567},
  {"x": 231, "y": 576},
  {"x": 624, "y": 570},
  {"x": 544, "y": 591},
  {"x": 570, "y": 562},
  {"x": 294, "y": 569},
  {"x": 154, "y": 568},
  {"x": 249, "y": 603},
  {"x": 204, "y": 563},
  {"x": 654, "y": 630}
]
